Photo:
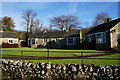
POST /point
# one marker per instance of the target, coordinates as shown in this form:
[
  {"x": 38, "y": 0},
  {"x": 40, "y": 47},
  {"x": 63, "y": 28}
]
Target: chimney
[
  {"x": 1, "y": 30},
  {"x": 108, "y": 20},
  {"x": 66, "y": 30},
  {"x": 44, "y": 31}
]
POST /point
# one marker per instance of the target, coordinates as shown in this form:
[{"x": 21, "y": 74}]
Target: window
[
  {"x": 34, "y": 41},
  {"x": 57, "y": 40},
  {"x": 45, "y": 40},
  {"x": 104, "y": 37},
  {"x": 118, "y": 36},
  {"x": 98, "y": 38},
  {"x": 70, "y": 41},
  {"x": 10, "y": 41},
  {"x": 101, "y": 38},
  {"x": 89, "y": 38}
]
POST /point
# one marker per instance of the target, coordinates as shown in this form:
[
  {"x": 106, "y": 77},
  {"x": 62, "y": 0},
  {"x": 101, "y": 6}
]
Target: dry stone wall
[{"x": 16, "y": 70}]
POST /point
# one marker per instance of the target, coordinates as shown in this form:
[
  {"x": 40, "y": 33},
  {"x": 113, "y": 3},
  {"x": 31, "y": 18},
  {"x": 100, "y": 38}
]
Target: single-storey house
[
  {"x": 105, "y": 36},
  {"x": 55, "y": 39},
  {"x": 9, "y": 39}
]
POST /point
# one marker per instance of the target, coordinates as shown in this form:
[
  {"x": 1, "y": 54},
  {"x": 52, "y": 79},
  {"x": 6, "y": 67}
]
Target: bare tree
[
  {"x": 100, "y": 18},
  {"x": 86, "y": 24},
  {"x": 28, "y": 17},
  {"x": 37, "y": 25},
  {"x": 65, "y": 22}
]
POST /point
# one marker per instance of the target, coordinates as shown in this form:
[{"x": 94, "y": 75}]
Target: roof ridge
[{"x": 104, "y": 27}]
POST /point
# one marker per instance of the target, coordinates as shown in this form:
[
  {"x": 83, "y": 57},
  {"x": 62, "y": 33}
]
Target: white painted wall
[{"x": 5, "y": 40}]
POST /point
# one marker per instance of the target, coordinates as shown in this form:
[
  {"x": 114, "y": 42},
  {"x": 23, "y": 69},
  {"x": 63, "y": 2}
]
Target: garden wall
[{"x": 49, "y": 71}]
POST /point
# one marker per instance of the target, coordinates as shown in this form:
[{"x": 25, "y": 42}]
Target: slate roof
[
  {"x": 55, "y": 34},
  {"x": 9, "y": 35},
  {"x": 104, "y": 27}
]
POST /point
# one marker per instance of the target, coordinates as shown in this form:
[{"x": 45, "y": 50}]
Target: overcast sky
[{"x": 85, "y": 11}]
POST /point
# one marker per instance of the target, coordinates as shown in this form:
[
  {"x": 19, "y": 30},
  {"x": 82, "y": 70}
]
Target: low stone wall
[{"x": 49, "y": 71}]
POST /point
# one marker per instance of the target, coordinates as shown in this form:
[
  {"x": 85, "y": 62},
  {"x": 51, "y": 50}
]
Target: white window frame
[
  {"x": 72, "y": 39},
  {"x": 36, "y": 41},
  {"x": 102, "y": 38},
  {"x": 45, "y": 40},
  {"x": 57, "y": 40},
  {"x": 1, "y": 41},
  {"x": 10, "y": 40}
]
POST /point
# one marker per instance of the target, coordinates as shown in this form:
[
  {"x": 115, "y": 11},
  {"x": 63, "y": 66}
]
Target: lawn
[
  {"x": 102, "y": 60},
  {"x": 115, "y": 56},
  {"x": 52, "y": 53},
  {"x": 79, "y": 61}
]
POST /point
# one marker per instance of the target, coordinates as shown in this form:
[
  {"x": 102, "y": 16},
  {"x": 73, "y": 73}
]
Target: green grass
[
  {"x": 63, "y": 53},
  {"x": 79, "y": 61},
  {"x": 60, "y": 53},
  {"x": 115, "y": 56}
]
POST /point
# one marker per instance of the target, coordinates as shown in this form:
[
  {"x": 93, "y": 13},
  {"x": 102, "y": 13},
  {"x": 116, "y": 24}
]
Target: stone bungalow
[
  {"x": 9, "y": 39},
  {"x": 105, "y": 36},
  {"x": 55, "y": 39}
]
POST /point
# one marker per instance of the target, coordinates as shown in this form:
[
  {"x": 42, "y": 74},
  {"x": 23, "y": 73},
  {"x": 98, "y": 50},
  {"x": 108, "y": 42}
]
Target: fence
[{"x": 47, "y": 55}]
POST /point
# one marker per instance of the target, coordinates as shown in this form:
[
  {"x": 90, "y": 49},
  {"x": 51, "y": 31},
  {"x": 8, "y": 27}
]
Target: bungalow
[
  {"x": 55, "y": 39},
  {"x": 105, "y": 36},
  {"x": 9, "y": 39}
]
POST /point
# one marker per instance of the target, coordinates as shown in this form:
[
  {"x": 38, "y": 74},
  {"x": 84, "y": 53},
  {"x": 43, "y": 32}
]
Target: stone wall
[{"x": 16, "y": 70}]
